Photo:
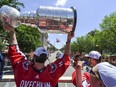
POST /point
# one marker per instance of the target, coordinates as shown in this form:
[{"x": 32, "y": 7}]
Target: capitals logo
[
  {"x": 53, "y": 66},
  {"x": 25, "y": 65}
]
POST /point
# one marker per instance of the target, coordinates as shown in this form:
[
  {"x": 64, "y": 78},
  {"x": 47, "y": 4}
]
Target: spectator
[
  {"x": 36, "y": 74},
  {"x": 94, "y": 58},
  {"x": 94, "y": 78},
  {"x": 79, "y": 79},
  {"x": 105, "y": 74},
  {"x": 113, "y": 59}
]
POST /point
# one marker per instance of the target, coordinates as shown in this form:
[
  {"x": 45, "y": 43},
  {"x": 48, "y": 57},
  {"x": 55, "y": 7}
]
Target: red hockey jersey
[{"x": 26, "y": 76}]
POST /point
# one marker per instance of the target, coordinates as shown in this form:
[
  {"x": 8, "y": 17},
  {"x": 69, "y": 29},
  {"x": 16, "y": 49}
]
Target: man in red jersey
[{"x": 36, "y": 74}]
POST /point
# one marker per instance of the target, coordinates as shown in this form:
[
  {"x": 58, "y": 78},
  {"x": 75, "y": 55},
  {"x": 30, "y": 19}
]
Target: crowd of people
[{"x": 101, "y": 74}]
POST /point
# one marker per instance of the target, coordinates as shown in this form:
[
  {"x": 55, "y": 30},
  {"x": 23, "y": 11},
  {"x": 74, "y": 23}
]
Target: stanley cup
[{"x": 46, "y": 19}]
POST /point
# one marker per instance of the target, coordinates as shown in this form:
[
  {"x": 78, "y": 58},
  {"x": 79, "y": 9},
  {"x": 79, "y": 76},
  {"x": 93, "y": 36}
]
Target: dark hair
[{"x": 41, "y": 59}]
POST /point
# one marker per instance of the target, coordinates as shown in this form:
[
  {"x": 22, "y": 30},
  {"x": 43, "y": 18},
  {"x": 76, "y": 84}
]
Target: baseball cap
[
  {"x": 94, "y": 55},
  {"x": 40, "y": 50},
  {"x": 107, "y": 73}
]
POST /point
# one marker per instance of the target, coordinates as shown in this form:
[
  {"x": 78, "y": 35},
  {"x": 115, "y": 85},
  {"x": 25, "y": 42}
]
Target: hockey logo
[
  {"x": 25, "y": 65},
  {"x": 53, "y": 66}
]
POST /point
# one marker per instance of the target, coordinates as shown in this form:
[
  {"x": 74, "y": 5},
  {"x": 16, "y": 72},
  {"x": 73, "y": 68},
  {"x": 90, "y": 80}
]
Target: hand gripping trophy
[{"x": 47, "y": 19}]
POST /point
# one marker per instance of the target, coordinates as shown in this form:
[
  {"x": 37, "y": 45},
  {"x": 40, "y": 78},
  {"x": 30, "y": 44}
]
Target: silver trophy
[
  {"x": 9, "y": 15},
  {"x": 55, "y": 19},
  {"x": 46, "y": 19}
]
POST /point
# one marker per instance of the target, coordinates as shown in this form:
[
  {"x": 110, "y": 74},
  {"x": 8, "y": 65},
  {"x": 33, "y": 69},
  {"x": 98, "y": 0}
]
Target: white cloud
[{"x": 60, "y": 2}]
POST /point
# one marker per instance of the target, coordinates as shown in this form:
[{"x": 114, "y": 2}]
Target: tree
[
  {"x": 108, "y": 27},
  {"x": 74, "y": 47},
  {"x": 93, "y": 32},
  {"x": 86, "y": 43},
  {"x": 102, "y": 41},
  {"x": 28, "y": 38}
]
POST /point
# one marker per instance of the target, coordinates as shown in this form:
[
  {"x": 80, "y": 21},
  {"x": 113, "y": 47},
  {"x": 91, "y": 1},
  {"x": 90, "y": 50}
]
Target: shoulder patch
[
  {"x": 53, "y": 67},
  {"x": 25, "y": 65}
]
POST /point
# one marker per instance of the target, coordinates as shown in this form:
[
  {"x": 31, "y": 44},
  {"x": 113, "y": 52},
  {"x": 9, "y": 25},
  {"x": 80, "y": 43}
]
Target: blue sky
[{"x": 90, "y": 14}]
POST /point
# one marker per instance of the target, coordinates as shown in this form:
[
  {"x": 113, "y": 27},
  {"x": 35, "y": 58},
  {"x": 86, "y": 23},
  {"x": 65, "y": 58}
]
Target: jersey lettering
[
  {"x": 25, "y": 83},
  {"x": 60, "y": 63}
]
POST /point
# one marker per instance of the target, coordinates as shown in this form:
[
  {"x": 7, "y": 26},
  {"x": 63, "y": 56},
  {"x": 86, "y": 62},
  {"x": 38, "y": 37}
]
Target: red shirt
[{"x": 26, "y": 76}]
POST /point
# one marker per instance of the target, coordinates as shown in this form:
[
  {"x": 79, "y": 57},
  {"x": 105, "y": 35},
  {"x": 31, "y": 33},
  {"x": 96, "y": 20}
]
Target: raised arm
[
  {"x": 67, "y": 48},
  {"x": 11, "y": 30},
  {"x": 14, "y": 54},
  {"x": 78, "y": 67}
]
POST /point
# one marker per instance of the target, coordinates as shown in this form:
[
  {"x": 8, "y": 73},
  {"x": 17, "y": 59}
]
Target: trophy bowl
[
  {"x": 55, "y": 19},
  {"x": 51, "y": 19},
  {"x": 9, "y": 15}
]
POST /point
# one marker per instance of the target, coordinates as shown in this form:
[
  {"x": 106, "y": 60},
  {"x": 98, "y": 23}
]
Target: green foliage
[
  {"x": 74, "y": 46},
  {"x": 108, "y": 27},
  {"x": 93, "y": 32},
  {"x": 109, "y": 22},
  {"x": 85, "y": 43},
  {"x": 1, "y": 45},
  {"x": 13, "y": 3},
  {"x": 3, "y": 35},
  {"x": 103, "y": 41},
  {"x": 28, "y": 38}
]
